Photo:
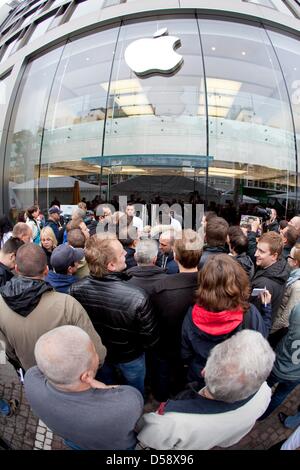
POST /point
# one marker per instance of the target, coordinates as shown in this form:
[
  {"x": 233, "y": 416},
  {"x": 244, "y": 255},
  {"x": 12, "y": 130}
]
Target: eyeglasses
[{"x": 290, "y": 257}]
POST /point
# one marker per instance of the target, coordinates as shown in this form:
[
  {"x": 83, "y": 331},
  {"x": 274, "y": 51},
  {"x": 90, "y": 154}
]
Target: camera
[{"x": 264, "y": 213}]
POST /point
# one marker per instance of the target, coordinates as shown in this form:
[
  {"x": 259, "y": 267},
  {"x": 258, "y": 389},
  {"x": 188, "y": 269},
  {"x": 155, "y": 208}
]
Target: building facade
[{"x": 156, "y": 100}]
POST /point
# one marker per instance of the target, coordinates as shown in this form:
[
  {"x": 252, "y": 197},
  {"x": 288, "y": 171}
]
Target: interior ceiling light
[
  {"x": 138, "y": 110},
  {"x": 120, "y": 87}
]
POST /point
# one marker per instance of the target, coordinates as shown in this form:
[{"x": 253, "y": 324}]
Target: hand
[
  {"x": 265, "y": 297},
  {"x": 255, "y": 225}
]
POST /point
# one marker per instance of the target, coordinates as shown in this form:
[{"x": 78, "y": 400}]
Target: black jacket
[
  {"x": 130, "y": 259},
  {"x": 247, "y": 264},
  {"x": 171, "y": 299},
  {"x": 274, "y": 279},
  {"x": 197, "y": 344},
  {"x": 121, "y": 313},
  {"x": 146, "y": 277},
  {"x": 5, "y": 274},
  {"x": 210, "y": 251},
  {"x": 273, "y": 227}
]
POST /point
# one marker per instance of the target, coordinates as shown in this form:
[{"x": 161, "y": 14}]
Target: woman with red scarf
[{"x": 222, "y": 308}]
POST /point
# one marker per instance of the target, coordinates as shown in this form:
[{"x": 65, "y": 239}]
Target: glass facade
[{"x": 221, "y": 126}]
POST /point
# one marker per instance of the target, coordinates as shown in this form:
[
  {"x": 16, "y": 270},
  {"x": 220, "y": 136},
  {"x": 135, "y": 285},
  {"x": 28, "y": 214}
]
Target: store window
[
  {"x": 155, "y": 136},
  {"x": 40, "y": 28},
  {"x": 25, "y": 133},
  {"x": 288, "y": 51},
  {"x": 250, "y": 124},
  {"x": 86, "y": 8},
  {"x": 73, "y": 139}
]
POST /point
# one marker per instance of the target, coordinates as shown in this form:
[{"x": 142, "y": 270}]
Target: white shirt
[
  {"x": 293, "y": 442},
  {"x": 187, "y": 431},
  {"x": 138, "y": 223}
]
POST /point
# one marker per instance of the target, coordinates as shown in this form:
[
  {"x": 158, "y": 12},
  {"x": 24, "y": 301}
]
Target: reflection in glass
[
  {"x": 287, "y": 49},
  {"x": 75, "y": 117},
  {"x": 154, "y": 119},
  {"x": 250, "y": 125},
  {"x": 40, "y": 29},
  {"x": 5, "y": 87},
  {"x": 26, "y": 129}
]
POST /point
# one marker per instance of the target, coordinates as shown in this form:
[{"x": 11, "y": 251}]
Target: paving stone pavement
[{"x": 25, "y": 431}]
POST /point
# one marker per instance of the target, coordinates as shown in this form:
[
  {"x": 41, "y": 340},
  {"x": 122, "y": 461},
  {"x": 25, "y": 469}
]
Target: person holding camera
[{"x": 271, "y": 223}]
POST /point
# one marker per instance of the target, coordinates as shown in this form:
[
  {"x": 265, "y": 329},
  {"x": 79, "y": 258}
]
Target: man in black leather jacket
[{"x": 121, "y": 312}]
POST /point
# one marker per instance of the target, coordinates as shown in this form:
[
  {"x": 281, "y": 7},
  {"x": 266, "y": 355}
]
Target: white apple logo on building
[{"x": 157, "y": 54}]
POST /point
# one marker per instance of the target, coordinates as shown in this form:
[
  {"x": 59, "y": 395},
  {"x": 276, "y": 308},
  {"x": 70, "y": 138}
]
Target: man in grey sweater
[{"x": 64, "y": 394}]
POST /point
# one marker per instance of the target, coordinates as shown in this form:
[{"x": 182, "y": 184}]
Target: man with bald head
[
  {"x": 29, "y": 307},
  {"x": 295, "y": 222},
  {"x": 165, "y": 258},
  {"x": 63, "y": 392}
]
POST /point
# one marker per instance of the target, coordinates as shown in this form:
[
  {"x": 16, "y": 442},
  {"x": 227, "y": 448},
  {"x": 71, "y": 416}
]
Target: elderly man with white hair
[
  {"x": 225, "y": 410},
  {"x": 63, "y": 392}
]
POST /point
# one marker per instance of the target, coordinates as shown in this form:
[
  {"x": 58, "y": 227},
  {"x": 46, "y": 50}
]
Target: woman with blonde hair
[
  {"x": 48, "y": 243},
  {"x": 222, "y": 309}
]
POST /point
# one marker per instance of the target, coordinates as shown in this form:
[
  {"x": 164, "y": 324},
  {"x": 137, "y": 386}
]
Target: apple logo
[{"x": 154, "y": 55}]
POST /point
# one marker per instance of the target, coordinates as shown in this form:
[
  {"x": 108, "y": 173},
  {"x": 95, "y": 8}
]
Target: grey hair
[
  {"x": 63, "y": 354},
  {"x": 78, "y": 213},
  {"x": 238, "y": 367},
  {"x": 145, "y": 251}
]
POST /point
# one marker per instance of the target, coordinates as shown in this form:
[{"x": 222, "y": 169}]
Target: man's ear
[
  {"x": 46, "y": 270},
  {"x": 17, "y": 269},
  {"x": 87, "y": 377},
  {"x": 111, "y": 267}
]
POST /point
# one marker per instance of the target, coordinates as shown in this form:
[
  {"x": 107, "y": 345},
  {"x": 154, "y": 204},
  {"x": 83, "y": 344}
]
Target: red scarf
[{"x": 216, "y": 323}]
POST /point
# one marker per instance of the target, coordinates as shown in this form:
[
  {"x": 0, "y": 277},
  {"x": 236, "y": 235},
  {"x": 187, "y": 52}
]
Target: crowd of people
[{"x": 109, "y": 319}]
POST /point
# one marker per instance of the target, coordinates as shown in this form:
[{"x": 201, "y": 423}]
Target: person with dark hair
[
  {"x": 32, "y": 214},
  {"x": 238, "y": 247},
  {"x": 29, "y": 308},
  {"x": 289, "y": 236},
  {"x": 54, "y": 223},
  {"x": 171, "y": 297},
  {"x": 64, "y": 261},
  {"x": 76, "y": 239},
  {"x": 282, "y": 224},
  {"x": 272, "y": 270},
  {"x": 103, "y": 215},
  {"x": 128, "y": 236},
  {"x": 222, "y": 308},
  {"x": 5, "y": 229},
  {"x": 8, "y": 259},
  {"x": 216, "y": 232}
]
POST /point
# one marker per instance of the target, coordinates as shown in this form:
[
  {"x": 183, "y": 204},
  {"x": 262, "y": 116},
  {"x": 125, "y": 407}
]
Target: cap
[
  {"x": 54, "y": 210},
  {"x": 64, "y": 256}
]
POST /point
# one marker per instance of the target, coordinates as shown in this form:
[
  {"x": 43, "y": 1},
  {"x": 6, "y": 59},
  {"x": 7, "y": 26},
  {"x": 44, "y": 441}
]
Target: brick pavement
[{"x": 25, "y": 431}]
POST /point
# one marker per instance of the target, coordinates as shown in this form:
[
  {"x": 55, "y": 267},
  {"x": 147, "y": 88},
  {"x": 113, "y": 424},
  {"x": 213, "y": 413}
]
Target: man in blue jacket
[{"x": 64, "y": 260}]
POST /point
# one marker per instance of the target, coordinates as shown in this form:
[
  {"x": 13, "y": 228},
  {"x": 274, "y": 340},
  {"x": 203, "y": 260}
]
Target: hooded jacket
[
  {"x": 29, "y": 308},
  {"x": 287, "y": 363},
  {"x": 274, "y": 279},
  {"x": 60, "y": 282},
  {"x": 202, "y": 330},
  {"x": 247, "y": 264},
  {"x": 5, "y": 274},
  {"x": 210, "y": 251},
  {"x": 146, "y": 277}
]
